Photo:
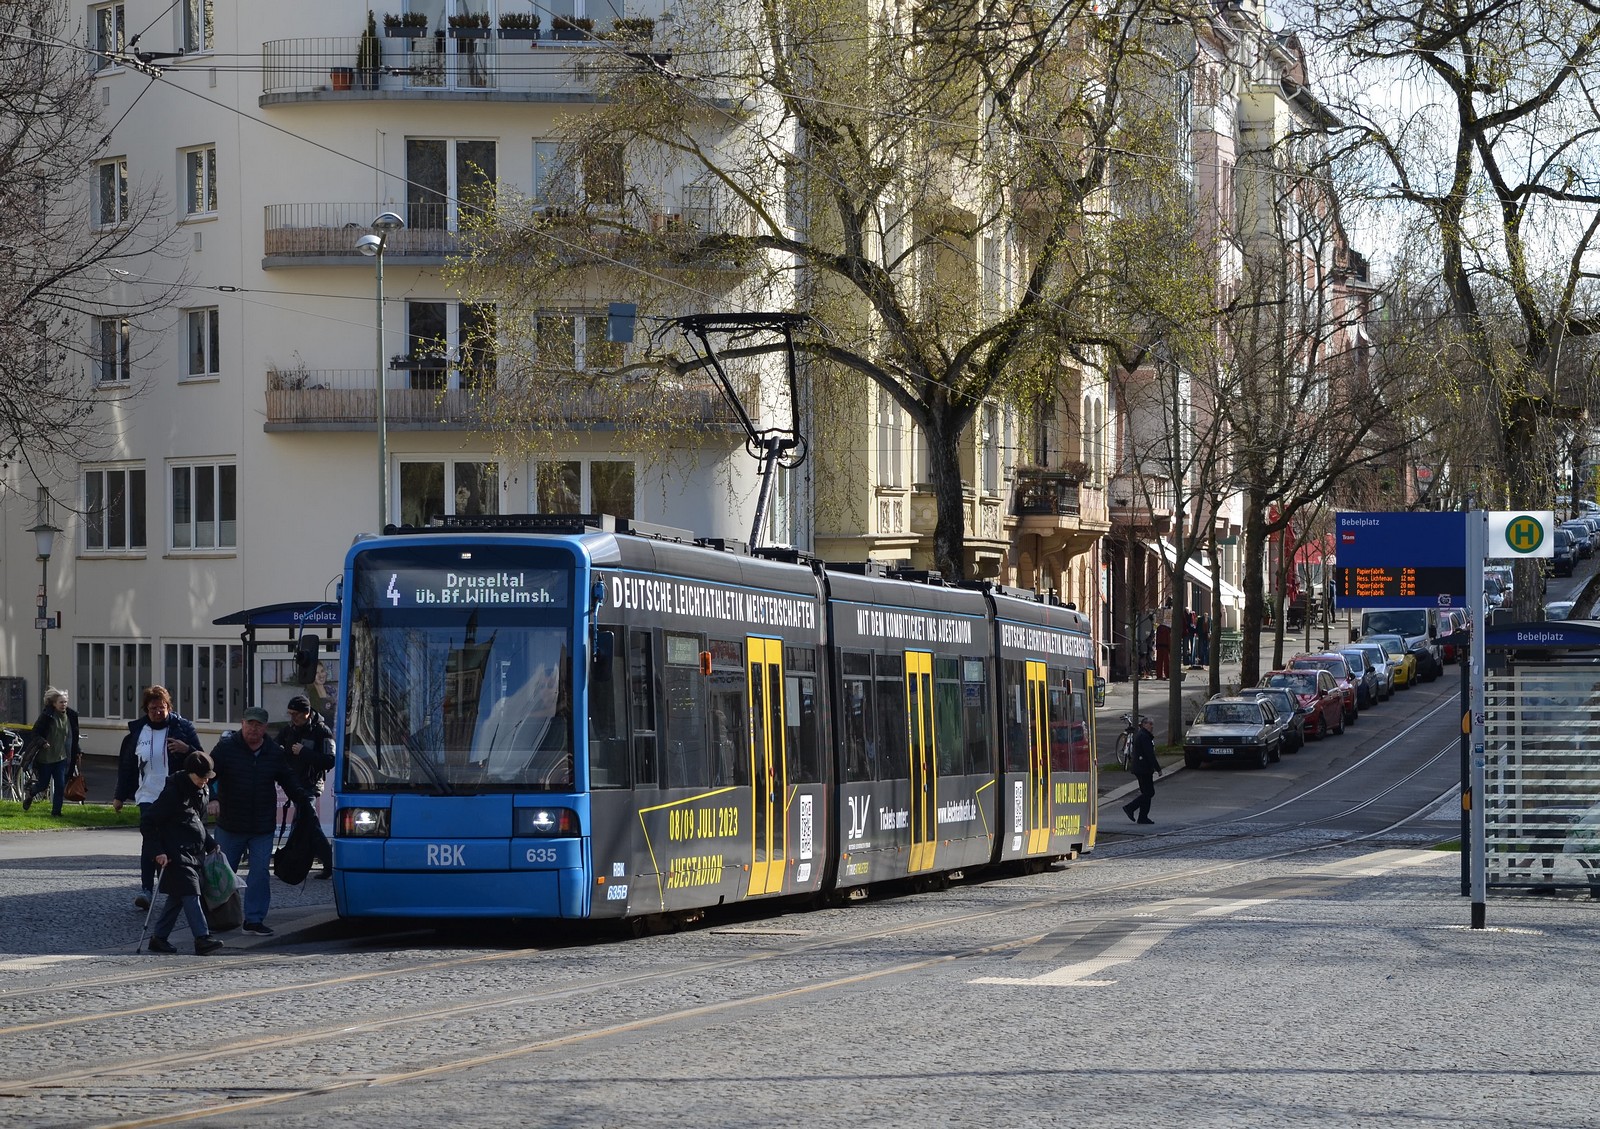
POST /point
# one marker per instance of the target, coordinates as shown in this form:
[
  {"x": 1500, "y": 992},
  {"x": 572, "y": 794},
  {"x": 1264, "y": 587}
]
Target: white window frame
[
  {"x": 557, "y": 187},
  {"x": 119, "y": 209},
  {"x": 450, "y": 486},
  {"x": 201, "y": 160},
  {"x": 585, "y": 480},
  {"x": 112, "y": 345},
  {"x": 195, "y": 694},
  {"x": 209, "y": 319},
  {"x": 96, "y": 515},
  {"x": 891, "y": 425},
  {"x": 114, "y": 658},
  {"x": 101, "y": 45},
  {"x": 587, "y": 326},
  {"x": 223, "y": 532},
  {"x": 198, "y": 27}
]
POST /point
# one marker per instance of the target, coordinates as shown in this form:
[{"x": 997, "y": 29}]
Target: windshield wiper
[{"x": 416, "y": 754}]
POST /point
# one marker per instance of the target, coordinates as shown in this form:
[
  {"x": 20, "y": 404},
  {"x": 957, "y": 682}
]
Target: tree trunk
[
  {"x": 944, "y": 468},
  {"x": 1254, "y": 549}
]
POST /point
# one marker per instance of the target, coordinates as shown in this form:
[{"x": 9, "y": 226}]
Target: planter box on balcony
[
  {"x": 469, "y": 33},
  {"x": 405, "y": 32},
  {"x": 519, "y": 33},
  {"x": 569, "y": 34}
]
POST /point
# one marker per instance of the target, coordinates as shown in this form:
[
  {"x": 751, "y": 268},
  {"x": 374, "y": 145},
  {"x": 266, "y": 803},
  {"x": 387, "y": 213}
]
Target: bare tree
[
  {"x": 928, "y": 184},
  {"x": 68, "y": 302}
]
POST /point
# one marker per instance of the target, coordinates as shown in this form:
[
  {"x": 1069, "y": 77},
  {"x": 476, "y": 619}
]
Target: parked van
[{"x": 1419, "y": 627}]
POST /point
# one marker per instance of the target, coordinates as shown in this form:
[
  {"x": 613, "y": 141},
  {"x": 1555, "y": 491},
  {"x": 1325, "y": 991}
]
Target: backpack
[{"x": 292, "y": 861}]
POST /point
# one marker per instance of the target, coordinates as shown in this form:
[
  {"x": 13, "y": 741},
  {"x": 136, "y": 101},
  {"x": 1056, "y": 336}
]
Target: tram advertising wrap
[{"x": 575, "y": 723}]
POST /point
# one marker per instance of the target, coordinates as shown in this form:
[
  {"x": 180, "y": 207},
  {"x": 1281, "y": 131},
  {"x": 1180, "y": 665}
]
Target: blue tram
[{"x": 543, "y": 718}]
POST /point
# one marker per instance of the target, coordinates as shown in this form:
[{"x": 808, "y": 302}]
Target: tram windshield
[{"x": 459, "y": 674}]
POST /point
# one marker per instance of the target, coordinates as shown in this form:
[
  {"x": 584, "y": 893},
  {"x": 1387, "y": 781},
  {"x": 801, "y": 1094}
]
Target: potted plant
[
  {"x": 571, "y": 27},
  {"x": 342, "y": 78},
  {"x": 471, "y": 25},
  {"x": 369, "y": 55},
  {"x": 407, "y": 25},
  {"x": 519, "y": 25},
  {"x": 632, "y": 29}
]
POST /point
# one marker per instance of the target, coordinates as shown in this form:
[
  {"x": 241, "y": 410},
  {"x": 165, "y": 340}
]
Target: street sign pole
[{"x": 1477, "y": 538}]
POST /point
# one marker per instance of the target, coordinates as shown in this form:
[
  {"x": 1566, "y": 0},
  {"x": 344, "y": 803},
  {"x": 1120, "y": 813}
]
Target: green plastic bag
[{"x": 218, "y": 882}]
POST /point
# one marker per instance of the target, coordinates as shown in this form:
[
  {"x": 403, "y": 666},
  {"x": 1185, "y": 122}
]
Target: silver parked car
[
  {"x": 1245, "y": 730},
  {"x": 1378, "y": 659}
]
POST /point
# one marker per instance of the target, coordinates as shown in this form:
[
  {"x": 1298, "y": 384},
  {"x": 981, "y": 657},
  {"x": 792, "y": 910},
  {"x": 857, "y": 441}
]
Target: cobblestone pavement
[{"x": 1203, "y": 986}]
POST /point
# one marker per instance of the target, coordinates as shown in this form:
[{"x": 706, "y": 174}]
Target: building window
[
  {"x": 595, "y": 177},
  {"x": 113, "y": 509},
  {"x": 989, "y": 449},
  {"x": 450, "y": 345},
  {"x": 891, "y": 442},
  {"x": 206, "y": 680},
  {"x": 111, "y": 678},
  {"x": 198, "y": 32},
  {"x": 583, "y": 486},
  {"x": 200, "y": 180},
  {"x": 442, "y": 177},
  {"x": 576, "y": 342},
  {"x": 204, "y": 506},
  {"x": 107, "y": 35},
  {"x": 111, "y": 192},
  {"x": 112, "y": 348},
  {"x": 429, "y": 489},
  {"x": 204, "y": 342}
]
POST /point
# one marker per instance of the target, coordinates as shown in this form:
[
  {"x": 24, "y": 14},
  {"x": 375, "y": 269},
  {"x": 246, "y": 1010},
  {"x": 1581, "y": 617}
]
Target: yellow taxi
[{"x": 1404, "y": 662}]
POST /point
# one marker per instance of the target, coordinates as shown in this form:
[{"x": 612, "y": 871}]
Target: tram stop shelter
[
  {"x": 1542, "y": 755},
  {"x": 303, "y": 661}
]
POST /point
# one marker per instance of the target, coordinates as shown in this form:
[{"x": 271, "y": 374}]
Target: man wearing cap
[
  {"x": 308, "y": 742},
  {"x": 174, "y": 829},
  {"x": 248, "y": 764}
]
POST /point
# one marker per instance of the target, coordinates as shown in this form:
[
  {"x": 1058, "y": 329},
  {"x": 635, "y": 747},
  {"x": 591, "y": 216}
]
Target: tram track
[{"x": 172, "y": 1073}]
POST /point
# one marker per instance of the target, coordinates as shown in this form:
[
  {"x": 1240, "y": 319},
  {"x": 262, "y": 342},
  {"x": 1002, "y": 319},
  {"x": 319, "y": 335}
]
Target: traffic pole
[{"x": 1477, "y": 538}]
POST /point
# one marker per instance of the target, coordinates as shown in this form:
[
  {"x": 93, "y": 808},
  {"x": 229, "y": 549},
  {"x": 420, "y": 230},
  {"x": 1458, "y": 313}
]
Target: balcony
[
  {"x": 324, "y": 69},
  {"x": 325, "y": 233},
  {"x": 1142, "y": 502},
  {"x": 1056, "y": 505},
  {"x": 1047, "y": 493},
  {"x": 431, "y": 399}
]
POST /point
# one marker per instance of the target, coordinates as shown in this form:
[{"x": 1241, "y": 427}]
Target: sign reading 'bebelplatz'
[{"x": 1400, "y": 560}]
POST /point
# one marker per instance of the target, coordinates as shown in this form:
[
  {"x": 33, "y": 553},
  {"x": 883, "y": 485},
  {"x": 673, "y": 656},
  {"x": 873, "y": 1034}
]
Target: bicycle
[
  {"x": 18, "y": 770},
  {"x": 1125, "y": 743}
]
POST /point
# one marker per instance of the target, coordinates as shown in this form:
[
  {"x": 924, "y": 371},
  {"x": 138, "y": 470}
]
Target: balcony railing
[
  {"x": 1142, "y": 494},
  {"x": 326, "y": 67},
  {"x": 1049, "y": 493},
  {"x": 335, "y": 399},
  {"x": 331, "y": 230}
]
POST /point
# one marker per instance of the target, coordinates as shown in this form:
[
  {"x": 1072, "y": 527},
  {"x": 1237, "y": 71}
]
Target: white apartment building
[{"x": 238, "y": 475}]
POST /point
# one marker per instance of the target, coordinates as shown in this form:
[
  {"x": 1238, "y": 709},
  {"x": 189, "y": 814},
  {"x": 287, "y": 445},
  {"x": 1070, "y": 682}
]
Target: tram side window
[
  {"x": 947, "y": 715},
  {"x": 685, "y": 751},
  {"x": 893, "y": 758},
  {"x": 608, "y": 722},
  {"x": 800, "y": 714},
  {"x": 1079, "y": 756},
  {"x": 860, "y": 761},
  {"x": 730, "y": 727},
  {"x": 1014, "y": 705},
  {"x": 642, "y": 705},
  {"x": 1060, "y": 720},
  {"x": 975, "y": 716}
]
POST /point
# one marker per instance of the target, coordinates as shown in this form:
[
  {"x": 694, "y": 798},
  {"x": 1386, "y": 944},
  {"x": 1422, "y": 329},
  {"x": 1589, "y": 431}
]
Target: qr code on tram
[{"x": 805, "y": 827}]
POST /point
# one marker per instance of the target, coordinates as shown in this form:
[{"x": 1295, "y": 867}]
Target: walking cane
[{"x": 145, "y": 932}]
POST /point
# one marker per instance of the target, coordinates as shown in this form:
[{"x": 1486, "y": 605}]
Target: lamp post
[
  {"x": 373, "y": 246},
  {"x": 44, "y": 540}
]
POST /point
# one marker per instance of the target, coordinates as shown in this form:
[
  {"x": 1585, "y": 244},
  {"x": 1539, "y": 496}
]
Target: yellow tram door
[
  {"x": 1039, "y": 806},
  {"x": 924, "y": 765},
  {"x": 768, "y": 767}
]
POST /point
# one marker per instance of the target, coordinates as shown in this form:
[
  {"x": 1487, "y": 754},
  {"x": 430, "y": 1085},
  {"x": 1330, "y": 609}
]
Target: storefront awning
[{"x": 1196, "y": 570}]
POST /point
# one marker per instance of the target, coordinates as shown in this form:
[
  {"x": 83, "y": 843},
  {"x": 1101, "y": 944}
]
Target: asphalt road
[{"x": 1283, "y": 948}]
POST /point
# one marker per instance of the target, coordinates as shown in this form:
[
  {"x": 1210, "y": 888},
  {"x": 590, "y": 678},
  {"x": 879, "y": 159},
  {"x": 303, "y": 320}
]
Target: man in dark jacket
[
  {"x": 1145, "y": 767},
  {"x": 248, "y": 764},
  {"x": 174, "y": 830},
  {"x": 154, "y": 749},
  {"x": 308, "y": 742}
]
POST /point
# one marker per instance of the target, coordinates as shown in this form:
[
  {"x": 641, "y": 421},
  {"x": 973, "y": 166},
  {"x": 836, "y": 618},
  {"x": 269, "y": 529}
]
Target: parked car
[
  {"x": 1335, "y": 665},
  {"x": 1582, "y": 540},
  {"x": 1564, "y": 556},
  {"x": 1240, "y": 730},
  {"x": 1285, "y": 705},
  {"x": 1320, "y": 700},
  {"x": 1368, "y": 688},
  {"x": 1559, "y": 609},
  {"x": 1452, "y": 623},
  {"x": 1381, "y": 665},
  {"x": 1494, "y": 595},
  {"x": 1405, "y": 662}
]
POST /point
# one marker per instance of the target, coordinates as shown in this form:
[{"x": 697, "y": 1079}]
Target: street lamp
[
  {"x": 44, "y": 535},
  {"x": 372, "y": 246}
]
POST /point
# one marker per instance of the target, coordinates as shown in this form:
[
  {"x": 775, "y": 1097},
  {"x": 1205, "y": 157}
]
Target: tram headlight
[
  {"x": 546, "y": 823},
  {"x": 362, "y": 823}
]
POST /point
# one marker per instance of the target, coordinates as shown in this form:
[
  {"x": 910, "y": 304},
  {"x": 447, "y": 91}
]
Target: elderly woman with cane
[{"x": 175, "y": 834}]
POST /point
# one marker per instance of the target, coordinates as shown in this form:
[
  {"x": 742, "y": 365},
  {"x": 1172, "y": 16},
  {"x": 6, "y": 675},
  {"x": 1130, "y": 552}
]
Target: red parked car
[
  {"x": 1335, "y": 665},
  {"x": 1318, "y": 696}
]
